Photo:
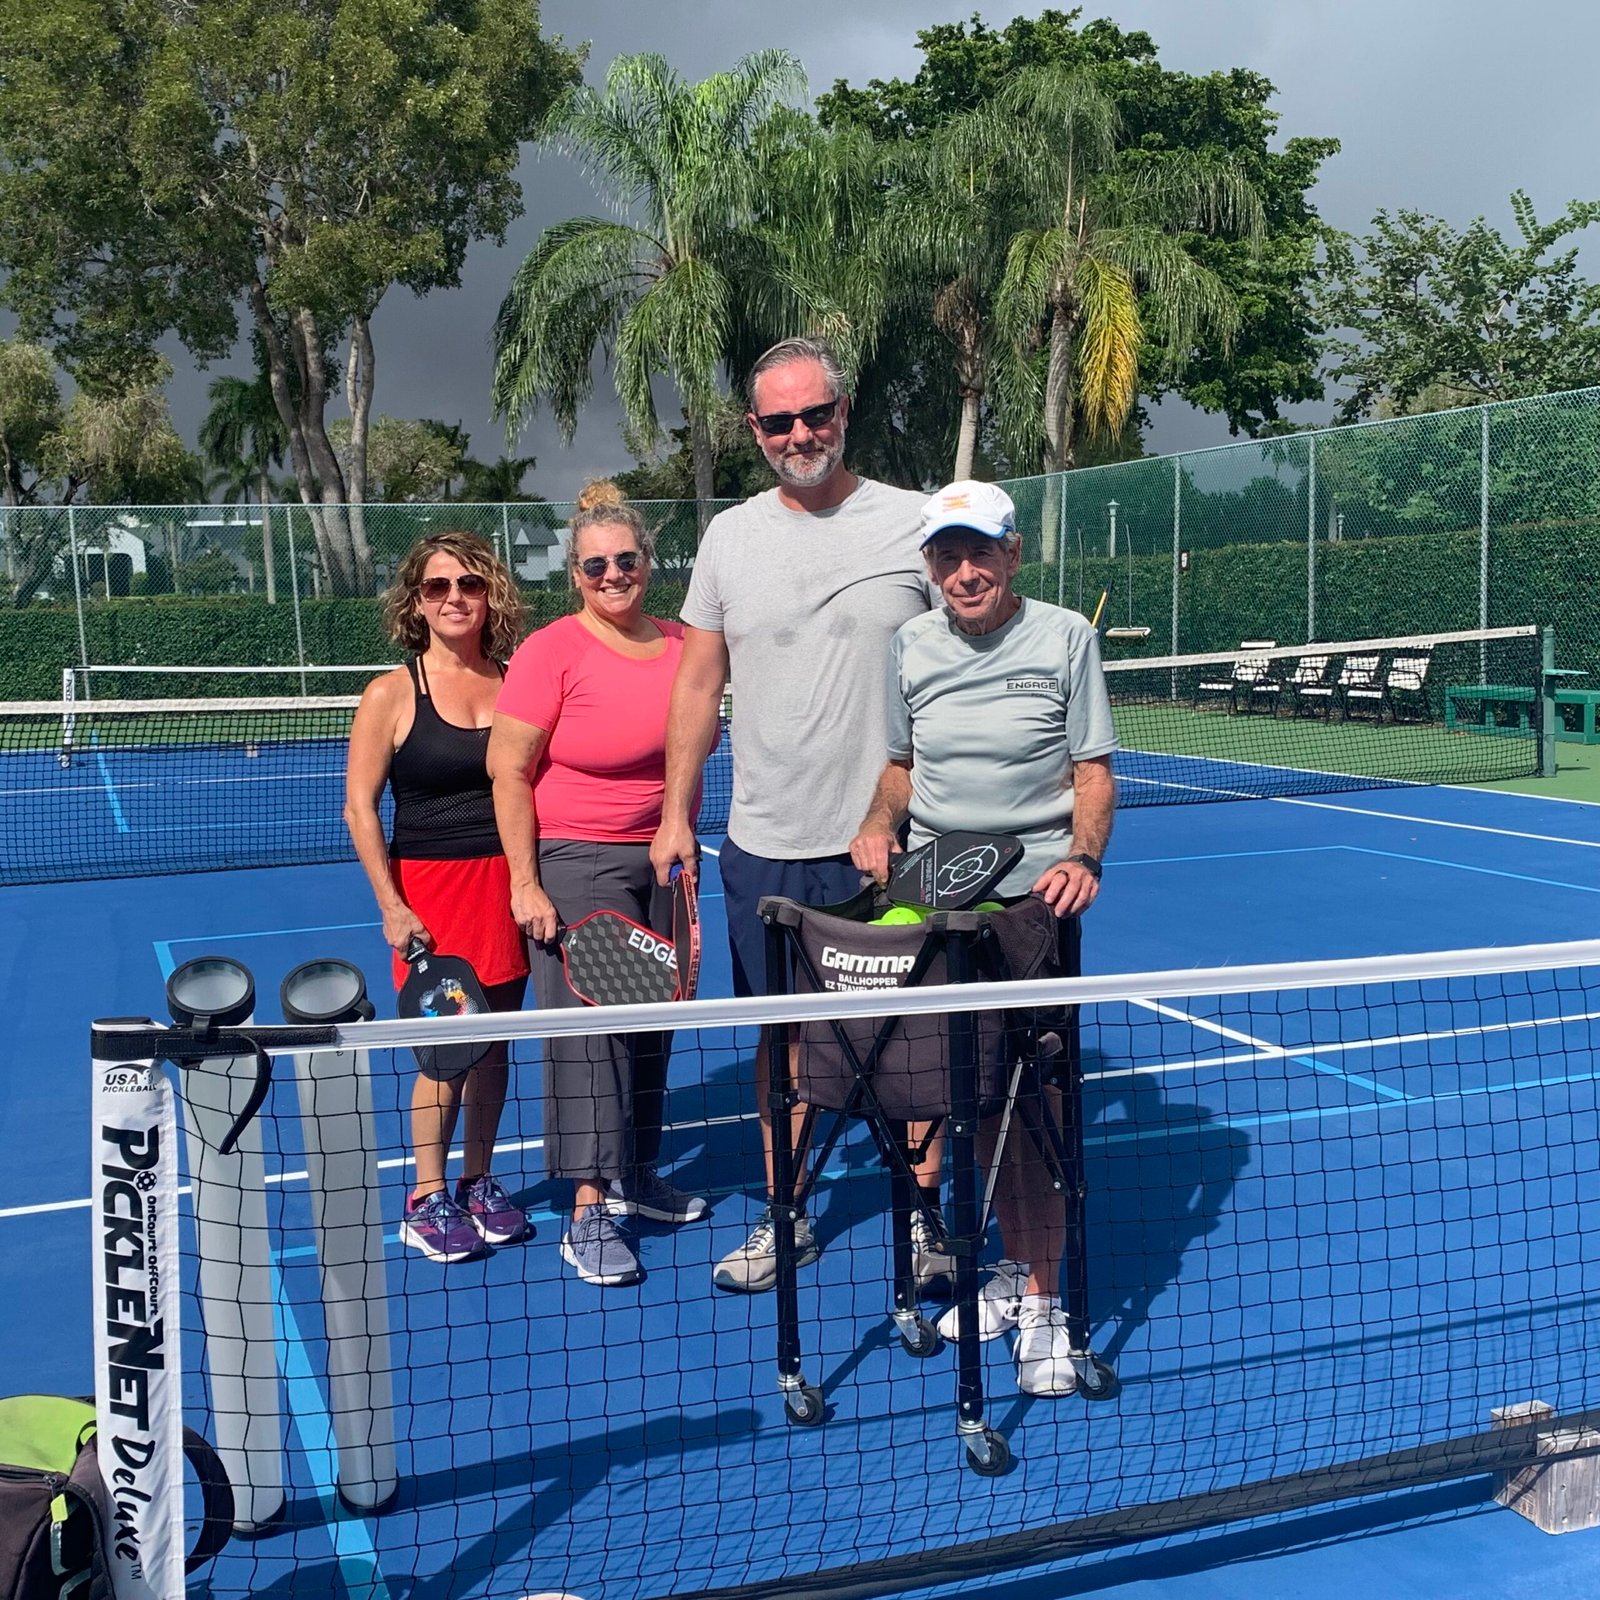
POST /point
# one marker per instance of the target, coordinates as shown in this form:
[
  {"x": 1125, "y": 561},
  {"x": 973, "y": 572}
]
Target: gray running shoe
[
  {"x": 1044, "y": 1351},
  {"x": 753, "y": 1267},
  {"x": 645, "y": 1193},
  {"x": 931, "y": 1262},
  {"x": 999, "y": 1302},
  {"x": 595, "y": 1247}
]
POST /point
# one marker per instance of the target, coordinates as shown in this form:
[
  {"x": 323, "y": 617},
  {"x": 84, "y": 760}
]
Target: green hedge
[
  {"x": 1402, "y": 583},
  {"x": 222, "y": 630}
]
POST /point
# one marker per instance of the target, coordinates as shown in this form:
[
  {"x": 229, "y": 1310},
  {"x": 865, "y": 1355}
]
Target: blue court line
[
  {"x": 1238, "y": 1036},
  {"x": 1261, "y": 1119},
  {"x": 1462, "y": 866},
  {"x": 352, "y": 1540},
  {"x": 110, "y": 792}
]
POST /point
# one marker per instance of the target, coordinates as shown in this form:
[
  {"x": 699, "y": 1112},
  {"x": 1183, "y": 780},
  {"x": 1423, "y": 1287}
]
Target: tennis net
[
  {"x": 130, "y": 788},
  {"x": 1338, "y": 1216},
  {"x": 1266, "y": 720}
]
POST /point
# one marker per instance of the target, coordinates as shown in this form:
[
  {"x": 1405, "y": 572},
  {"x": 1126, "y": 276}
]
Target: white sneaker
[
  {"x": 1045, "y": 1365},
  {"x": 932, "y": 1265},
  {"x": 999, "y": 1302}
]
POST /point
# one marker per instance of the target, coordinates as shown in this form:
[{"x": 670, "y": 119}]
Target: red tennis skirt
[{"x": 466, "y": 908}]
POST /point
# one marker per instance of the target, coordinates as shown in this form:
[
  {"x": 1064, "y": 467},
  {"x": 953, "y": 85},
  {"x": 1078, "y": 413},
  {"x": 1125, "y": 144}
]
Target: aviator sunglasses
[
  {"x": 470, "y": 584},
  {"x": 774, "y": 423},
  {"x": 595, "y": 566}
]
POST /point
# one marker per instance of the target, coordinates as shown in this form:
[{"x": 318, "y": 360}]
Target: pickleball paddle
[
  {"x": 611, "y": 960},
  {"x": 442, "y": 986},
  {"x": 953, "y": 871},
  {"x": 686, "y": 932}
]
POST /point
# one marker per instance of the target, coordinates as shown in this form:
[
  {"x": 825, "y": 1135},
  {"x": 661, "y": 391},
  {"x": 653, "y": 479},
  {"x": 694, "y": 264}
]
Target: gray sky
[{"x": 1441, "y": 105}]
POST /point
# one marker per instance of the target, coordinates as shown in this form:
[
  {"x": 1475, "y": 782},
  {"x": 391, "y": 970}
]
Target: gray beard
[{"x": 806, "y": 472}]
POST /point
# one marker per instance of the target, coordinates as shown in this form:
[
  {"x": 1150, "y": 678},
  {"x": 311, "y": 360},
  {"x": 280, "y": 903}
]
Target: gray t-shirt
[
  {"x": 807, "y": 603},
  {"x": 992, "y": 724}
]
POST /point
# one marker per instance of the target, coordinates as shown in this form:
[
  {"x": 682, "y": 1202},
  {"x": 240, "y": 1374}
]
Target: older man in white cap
[{"x": 999, "y": 722}]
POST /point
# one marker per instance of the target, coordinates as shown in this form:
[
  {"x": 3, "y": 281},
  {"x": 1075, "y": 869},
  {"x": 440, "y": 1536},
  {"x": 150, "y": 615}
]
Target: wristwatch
[{"x": 1090, "y": 864}]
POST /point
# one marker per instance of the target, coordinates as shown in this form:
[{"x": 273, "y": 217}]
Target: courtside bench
[{"x": 1506, "y": 708}]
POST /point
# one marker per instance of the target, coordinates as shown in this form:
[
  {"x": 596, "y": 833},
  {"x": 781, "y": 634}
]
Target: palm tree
[
  {"x": 242, "y": 432},
  {"x": 1101, "y": 271},
  {"x": 944, "y": 236},
  {"x": 651, "y": 289},
  {"x": 496, "y": 482}
]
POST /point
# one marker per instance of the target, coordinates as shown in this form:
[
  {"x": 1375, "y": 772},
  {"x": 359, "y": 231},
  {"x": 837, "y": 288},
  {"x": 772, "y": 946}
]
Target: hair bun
[{"x": 600, "y": 492}]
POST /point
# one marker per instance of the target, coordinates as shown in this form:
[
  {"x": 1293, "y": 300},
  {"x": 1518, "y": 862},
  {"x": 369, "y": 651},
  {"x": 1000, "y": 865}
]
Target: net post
[
  {"x": 138, "y": 1344},
  {"x": 236, "y": 1287},
  {"x": 336, "y": 1115},
  {"x": 1547, "y": 702}
]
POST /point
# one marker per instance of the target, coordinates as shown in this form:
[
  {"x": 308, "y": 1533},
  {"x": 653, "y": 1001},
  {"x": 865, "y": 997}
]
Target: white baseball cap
[{"x": 980, "y": 507}]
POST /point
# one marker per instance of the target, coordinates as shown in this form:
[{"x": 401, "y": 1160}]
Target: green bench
[{"x": 1507, "y": 708}]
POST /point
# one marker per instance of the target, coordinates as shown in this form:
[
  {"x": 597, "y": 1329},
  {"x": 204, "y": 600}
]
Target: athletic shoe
[
  {"x": 596, "y": 1248},
  {"x": 1044, "y": 1351},
  {"x": 645, "y": 1193},
  {"x": 753, "y": 1267},
  {"x": 999, "y": 1302},
  {"x": 439, "y": 1228},
  {"x": 498, "y": 1219},
  {"x": 932, "y": 1265}
]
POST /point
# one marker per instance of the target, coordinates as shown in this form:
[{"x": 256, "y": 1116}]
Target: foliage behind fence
[{"x": 1481, "y": 517}]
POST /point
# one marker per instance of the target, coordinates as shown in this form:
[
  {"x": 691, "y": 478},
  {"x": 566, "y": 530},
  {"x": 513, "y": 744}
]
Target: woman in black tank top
[{"x": 422, "y": 731}]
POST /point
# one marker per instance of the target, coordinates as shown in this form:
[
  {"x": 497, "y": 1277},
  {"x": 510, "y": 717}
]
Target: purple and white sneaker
[
  {"x": 439, "y": 1228},
  {"x": 492, "y": 1211}
]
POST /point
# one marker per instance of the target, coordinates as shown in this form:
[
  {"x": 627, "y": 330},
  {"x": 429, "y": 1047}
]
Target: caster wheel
[
  {"x": 924, "y": 1342},
  {"x": 1104, "y": 1385},
  {"x": 990, "y": 1456},
  {"x": 803, "y": 1406}
]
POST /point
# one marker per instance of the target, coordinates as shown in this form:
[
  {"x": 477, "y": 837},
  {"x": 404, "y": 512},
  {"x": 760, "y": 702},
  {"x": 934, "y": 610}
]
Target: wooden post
[{"x": 1556, "y": 1495}]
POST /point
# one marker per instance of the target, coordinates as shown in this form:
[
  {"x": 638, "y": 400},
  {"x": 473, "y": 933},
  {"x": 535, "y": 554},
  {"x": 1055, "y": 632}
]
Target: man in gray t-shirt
[
  {"x": 999, "y": 722},
  {"x": 794, "y": 599}
]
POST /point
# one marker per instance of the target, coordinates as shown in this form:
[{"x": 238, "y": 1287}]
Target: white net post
[
  {"x": 347, "y": 1216},
  {"x": 236, "y": 1286}
]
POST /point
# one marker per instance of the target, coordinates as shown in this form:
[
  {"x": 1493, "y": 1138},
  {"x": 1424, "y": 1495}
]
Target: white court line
[
  {"x": 1284, "y": 1052},
  {"x": 509, "y": 1147},
  {"x": 1437, "y": 822}
]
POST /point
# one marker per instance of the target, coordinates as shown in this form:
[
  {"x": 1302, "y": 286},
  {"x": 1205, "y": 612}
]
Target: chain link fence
[{"x": 1480, "y": 517}]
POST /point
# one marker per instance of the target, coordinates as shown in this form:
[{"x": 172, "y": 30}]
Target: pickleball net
[
  {"x": 1340, "y": 1228},
  {"x": 246, "y": 772}
]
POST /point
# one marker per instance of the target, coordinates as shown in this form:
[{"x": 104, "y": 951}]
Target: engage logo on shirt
[{"x": 1046, "y": 686}]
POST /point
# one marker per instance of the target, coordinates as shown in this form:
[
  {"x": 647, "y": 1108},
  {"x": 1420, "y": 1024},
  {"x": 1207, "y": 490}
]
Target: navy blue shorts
[{"x": 747, "y": 879}]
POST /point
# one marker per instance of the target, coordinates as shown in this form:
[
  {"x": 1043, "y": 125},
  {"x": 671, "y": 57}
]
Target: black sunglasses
[
  {"x": 773, "y": 423},
  {"x": 595, "y": 566},
  {"x": 470, "y": 584}
]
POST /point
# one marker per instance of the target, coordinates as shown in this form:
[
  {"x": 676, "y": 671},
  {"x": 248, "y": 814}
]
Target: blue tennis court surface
[{"x": 1318, "y": 1227}]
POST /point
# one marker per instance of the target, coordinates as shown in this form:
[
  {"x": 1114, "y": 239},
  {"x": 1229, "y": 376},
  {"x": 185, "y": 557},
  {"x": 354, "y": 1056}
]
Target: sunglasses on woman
[
  {"x": 595, "y": 566},
  {"x": 470, "y": 585},
  {"x": 773, "y": 423}
]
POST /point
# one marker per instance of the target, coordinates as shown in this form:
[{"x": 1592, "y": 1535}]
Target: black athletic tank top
[{"x": 439, "y": 776}]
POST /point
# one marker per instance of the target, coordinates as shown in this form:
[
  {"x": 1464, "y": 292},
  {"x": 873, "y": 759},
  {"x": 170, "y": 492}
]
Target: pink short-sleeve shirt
[{"x": 602, "y": 773}]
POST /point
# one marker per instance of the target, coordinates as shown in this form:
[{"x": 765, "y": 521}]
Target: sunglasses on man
[
  {"x": 595, "y": 566},
  {"x": 470, "y": 585},
  {"x": 775, "y": 423}
]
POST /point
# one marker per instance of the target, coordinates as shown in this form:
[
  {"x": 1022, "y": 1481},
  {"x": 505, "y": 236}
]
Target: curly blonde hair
[
  {"x": 402, "y": 615},
  {"x": 601, "y": 504}
]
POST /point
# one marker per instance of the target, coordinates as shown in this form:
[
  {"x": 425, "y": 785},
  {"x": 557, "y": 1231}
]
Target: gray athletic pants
[{"x": 603, "y": 1093}]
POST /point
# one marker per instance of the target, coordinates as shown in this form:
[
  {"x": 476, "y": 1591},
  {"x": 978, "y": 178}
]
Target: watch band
[{"x": 1091, "y": 864}]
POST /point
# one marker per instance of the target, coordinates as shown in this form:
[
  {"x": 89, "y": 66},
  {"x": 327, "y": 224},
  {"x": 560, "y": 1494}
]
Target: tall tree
[
  {"x": 496, "y": 482},
  {"x": 243, "y": 428},
  {"x": 651, "y": 288},
  {"x": 162, "y": 164},
  {"x": 1433, "y": 318},
  {"x": 1273, "y": 356}
]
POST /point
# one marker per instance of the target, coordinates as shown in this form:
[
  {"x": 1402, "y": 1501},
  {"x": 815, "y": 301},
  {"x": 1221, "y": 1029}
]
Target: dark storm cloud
[{"x": 1441, "y": 105}]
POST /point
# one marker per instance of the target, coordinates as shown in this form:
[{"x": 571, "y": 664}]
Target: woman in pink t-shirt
[{"x": 578, "y": 759}]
